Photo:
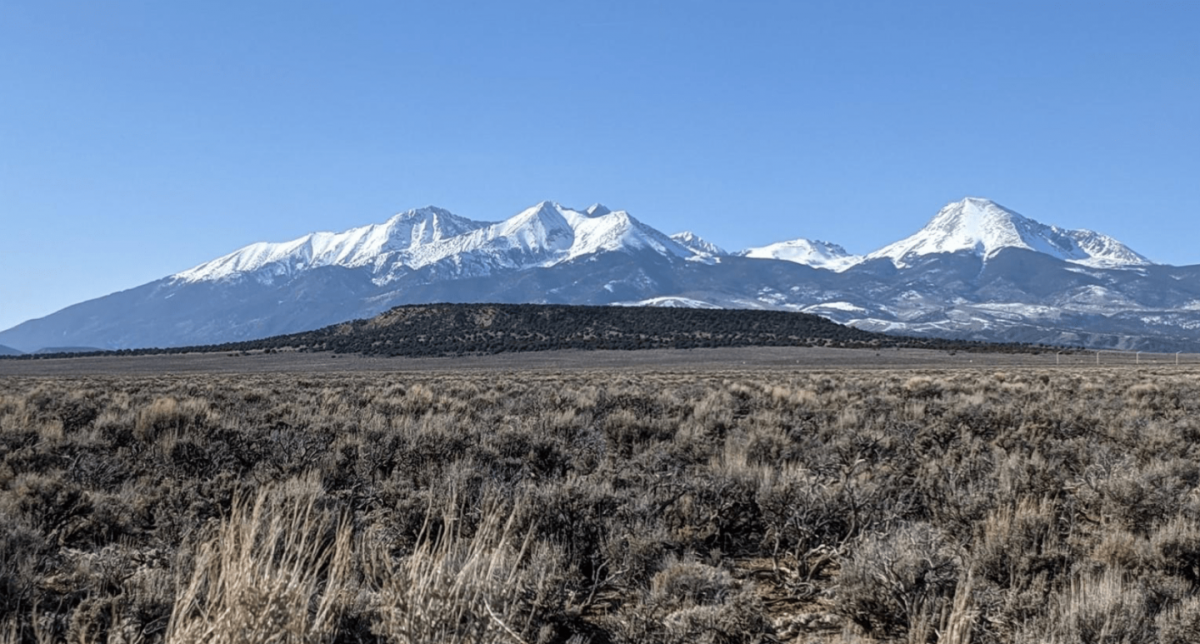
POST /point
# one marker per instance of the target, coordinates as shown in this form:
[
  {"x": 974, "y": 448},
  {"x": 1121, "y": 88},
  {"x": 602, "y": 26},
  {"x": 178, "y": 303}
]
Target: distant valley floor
[{"x": 719, "y": 359}]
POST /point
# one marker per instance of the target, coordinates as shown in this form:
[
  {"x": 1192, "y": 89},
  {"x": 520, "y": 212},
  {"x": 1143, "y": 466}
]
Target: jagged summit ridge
[
  {"x": 539, "y": 236},
  {"x": 548, "y": 233},
  {"x": 984, "y": 227},
  {"x": 698, "y": 244},
  {"x": 352, "y": 248},
  {"x": 597, "y": 210}
]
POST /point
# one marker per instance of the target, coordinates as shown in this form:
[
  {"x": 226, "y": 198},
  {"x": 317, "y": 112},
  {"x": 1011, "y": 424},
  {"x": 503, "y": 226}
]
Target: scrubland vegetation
[{"x": 948, "y": 506}]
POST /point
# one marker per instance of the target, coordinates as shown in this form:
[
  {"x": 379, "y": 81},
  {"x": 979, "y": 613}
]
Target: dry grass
[
  {"x": 458, "y": 589},
  {"x": 964, "y": 507},
  {"x": 275, "y": 572}
]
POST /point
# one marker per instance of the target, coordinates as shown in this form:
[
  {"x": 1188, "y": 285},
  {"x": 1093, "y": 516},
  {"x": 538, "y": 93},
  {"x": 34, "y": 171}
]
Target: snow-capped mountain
[
  {"x": 698, "y": 244},
  {"x": 976, "y": 271},
  {"x": 353, "y": 248},
  {"x": 984, "y": 227},
  {"x": 814, "y": 253},
  {"x": 541, "y": 236}
]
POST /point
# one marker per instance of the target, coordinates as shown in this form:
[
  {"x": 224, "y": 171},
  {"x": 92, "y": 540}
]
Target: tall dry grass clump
[
  {"x": 1106, "y": 608},
  {"x": 274, "y": 572},
  {"x": 491, "y": 585}
]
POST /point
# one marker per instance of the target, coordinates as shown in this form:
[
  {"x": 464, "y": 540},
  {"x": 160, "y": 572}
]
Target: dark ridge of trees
[{"x": 433, "y": 330}]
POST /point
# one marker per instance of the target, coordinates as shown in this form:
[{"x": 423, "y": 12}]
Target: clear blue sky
[{"x": 138, "y": 139}]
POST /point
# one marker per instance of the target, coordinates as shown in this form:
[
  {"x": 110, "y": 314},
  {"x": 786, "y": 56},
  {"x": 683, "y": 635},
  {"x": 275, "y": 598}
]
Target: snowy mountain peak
[
  {"x": 980, "y": 220},
  {"x": 542, "y": 226},
  {"x": 618, "y": 230},
  {"x": 544, "y": 234},
  {"x": 548, "y": 233},
  {"x": 984, "y": 227},
  {"x": 814, "y": 253},
  {"x": 540, "y": 210},
  {"x": 353, "y": 248},
  {"x": 698, "y": 244},
  {"x": 545, "y": 213},
  {"x": 419, "y": 213},
  {"x": 422, "y": 226}
]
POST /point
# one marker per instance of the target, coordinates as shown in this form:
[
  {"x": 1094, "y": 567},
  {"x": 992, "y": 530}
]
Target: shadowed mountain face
[
  {"x": 9, "y": 351},
  {"x": 975, "y": 271}
]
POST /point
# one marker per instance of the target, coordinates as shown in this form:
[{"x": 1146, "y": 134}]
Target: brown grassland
[{"x": 1009, "y": 504}]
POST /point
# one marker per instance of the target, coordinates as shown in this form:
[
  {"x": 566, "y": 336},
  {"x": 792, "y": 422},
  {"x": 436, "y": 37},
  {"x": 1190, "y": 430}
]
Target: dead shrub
[
  {"x": 1180, "y": 624},
  {"x": 808, "y": 520},
  {"x": 923, "y": 387},
  {"x": 1120, "y": 550},
  {"x": 1177, "y": 546},
  {"x": 897, "y": 580},
  {"x": 691, "y": 602}
]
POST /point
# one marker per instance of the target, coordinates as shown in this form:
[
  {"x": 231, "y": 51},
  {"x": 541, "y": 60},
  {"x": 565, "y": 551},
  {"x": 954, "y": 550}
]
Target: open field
[
  {"x": 758, "y": 358},
  {"x": 601, "y": 497}
]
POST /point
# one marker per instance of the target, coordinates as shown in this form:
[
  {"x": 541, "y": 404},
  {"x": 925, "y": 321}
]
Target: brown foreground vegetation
[{"x": 964, "y": 506}]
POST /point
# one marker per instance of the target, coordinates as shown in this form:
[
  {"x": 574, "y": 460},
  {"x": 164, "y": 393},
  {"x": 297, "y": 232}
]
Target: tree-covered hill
[{"x": 480, "y": 329}]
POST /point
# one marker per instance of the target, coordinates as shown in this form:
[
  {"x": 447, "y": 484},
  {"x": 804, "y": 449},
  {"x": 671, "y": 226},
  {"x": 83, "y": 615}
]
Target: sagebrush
[{"x": 960, "y": 506}]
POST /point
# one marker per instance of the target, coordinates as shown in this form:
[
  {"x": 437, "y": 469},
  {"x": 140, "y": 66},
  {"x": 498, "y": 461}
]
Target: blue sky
[{"x": 138, "y": 139}]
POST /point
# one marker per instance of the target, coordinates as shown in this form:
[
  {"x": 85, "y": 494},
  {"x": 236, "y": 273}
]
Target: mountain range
[{"x": 976, "y": 271}]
